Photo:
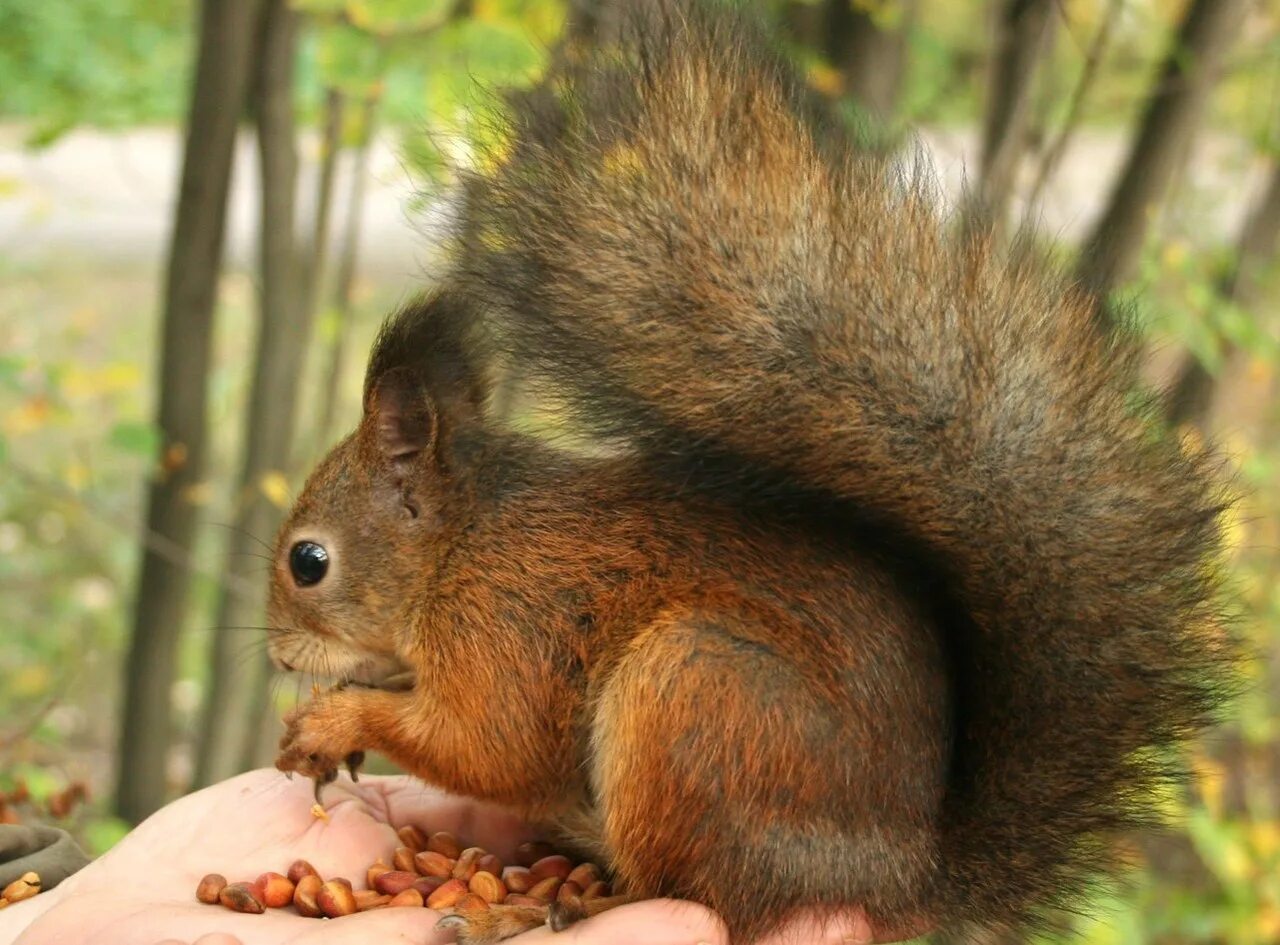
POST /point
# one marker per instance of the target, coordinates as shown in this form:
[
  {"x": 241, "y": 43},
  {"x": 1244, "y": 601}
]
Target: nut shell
[
  {"x": 241, "y": 897},
  {"x": 394, "y": 882},
  {"x": 276, "y": 890},
  {"x": 468, "y": 864},
  {"x": 336, "y": 899},
  {"x": 584, "y": 874},
  {"x": 369, "y": 899},
  {"x": 545, "y": 890},
  {"x": 210, "y": 887},
  {"x": 554, "y": 865},
  {"x": 24, "y": 887},
  {"x": 447, "y": 894},
  {"x": 471, "y": 903},
  {"x": 430, "y": 863},
  {"x": 444, "y": 843},
  {"x": 299, "y": 869},
  {"x": 413, "y": 838},
  {"x": 529, "y": 853},
  {"x": 487, "y": 886},
  {"x": 403, "y": 859},
  {"x": 373, "y": 872},
  {"x": 520, "y": 899},
  {"x": 305, "y": 896},
  {"x": 428, "y": 884},
  {"x": 518, "y": 879},
  {"x": 407, "y": 898}
]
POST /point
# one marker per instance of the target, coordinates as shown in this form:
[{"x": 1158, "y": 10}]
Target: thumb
[{"x": 381, "y": 925}]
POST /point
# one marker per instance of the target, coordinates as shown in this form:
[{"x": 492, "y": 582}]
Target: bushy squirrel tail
[{"x": 672, "y": 245}]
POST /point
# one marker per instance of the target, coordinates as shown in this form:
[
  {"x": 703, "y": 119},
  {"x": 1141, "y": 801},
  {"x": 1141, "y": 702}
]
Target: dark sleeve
[{"x": 46, "y": 851}]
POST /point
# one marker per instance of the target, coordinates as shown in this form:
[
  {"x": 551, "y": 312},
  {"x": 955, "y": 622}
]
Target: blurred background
[{"x": 207, "y": 206}]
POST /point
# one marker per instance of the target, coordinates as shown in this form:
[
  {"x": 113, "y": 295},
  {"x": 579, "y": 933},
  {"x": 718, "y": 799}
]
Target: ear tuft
[{"x": 403, "y": 414}]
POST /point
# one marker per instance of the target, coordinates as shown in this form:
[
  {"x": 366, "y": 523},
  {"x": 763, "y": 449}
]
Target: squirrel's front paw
[{"x": 317, "y": 742}]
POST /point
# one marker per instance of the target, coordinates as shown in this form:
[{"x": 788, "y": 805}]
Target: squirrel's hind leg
[
  {"x": 498, "y": 923},
  {"x": 736, "y": 766}
]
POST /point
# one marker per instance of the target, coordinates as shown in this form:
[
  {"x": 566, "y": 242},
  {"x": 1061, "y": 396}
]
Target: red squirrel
[{"x": 887, "y": 593}]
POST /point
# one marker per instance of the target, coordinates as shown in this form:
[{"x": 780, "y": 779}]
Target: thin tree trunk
[
  {"x": 330, "y": 148},
  {"x": 1192, "y": 391},
  {"x": 344, "y": 284},
  {"x": 227, "y": 31},
  {"x": 284, "y": 327},
  {"x": 1174, "y": 110},
  {"x": 263, "y": 727},
  {"x": 870, "y": 55},
  {"x": 1088, "y": 75},
  {"x": 1024, "y": 33}
]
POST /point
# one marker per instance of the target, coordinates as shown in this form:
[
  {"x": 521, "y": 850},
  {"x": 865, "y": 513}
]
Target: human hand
[{"x": 143, "y": 891}]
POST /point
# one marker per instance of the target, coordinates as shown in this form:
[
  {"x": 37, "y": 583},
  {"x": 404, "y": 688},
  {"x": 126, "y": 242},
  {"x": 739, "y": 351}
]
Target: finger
[
  {"x": 381, "y": 925},
  {"x": 653, "y": 922},
  {"x": 402, "y": 801}
]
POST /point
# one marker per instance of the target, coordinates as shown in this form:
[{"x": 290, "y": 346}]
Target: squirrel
[{"x": 888, "y": 592}]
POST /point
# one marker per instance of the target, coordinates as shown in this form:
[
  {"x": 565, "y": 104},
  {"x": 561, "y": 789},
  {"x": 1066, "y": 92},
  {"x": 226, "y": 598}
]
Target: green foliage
[{"x": 99, "y": 62}]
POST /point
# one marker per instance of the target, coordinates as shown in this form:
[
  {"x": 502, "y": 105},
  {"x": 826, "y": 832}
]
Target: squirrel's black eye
[{"x": 309, "y": 563}]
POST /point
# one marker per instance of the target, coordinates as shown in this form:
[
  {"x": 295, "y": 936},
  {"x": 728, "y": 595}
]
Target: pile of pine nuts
[{"x": 434, "y": 871}]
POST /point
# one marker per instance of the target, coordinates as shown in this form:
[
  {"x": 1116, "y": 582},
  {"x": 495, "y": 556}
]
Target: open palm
[{"x": 143, "y": 891}]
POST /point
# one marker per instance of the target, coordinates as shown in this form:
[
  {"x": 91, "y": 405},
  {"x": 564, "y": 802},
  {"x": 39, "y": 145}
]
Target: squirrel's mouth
[
  {"x": 330, "y": 664},
  {"x": 386, "y": 675}
]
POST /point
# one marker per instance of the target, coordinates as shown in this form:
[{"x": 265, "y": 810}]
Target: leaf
[
  {"x": 10, "y": 370},
  {"x": 140, "y": 439},
  {"x": 276, "y": 488}
]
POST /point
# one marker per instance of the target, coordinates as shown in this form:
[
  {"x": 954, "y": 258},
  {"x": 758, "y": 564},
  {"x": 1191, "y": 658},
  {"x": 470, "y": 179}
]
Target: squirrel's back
[{"x": 679, "y": 252}]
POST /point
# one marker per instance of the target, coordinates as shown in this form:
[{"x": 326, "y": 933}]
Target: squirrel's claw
[
  {"x": 321, "y": 780},
  {"x": 354, "y": 761},
  {"x": 562, "y": 914}
]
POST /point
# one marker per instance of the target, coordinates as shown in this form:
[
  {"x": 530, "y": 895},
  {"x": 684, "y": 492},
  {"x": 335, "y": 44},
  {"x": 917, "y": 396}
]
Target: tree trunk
[
  {"x": 1024, "y": 32},
  {"x": 869, "y": 53},
  {"x": 1111, "y": 253},
  {"x": 1192, "y": 390},
  {"x": 344, "y": 284},
  {"x": 227, "y": 31},
  {"x": 284, "y": 328},
  {"x": 330, "y": 148},
  {"x": 1088, "y": 75}
]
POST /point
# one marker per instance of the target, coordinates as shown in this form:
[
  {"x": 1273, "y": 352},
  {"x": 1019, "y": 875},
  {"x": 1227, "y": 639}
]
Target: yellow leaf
[
  {"x": 1265, "y": 838},
  {"x": 1175, "y": 253},
  {"x": 77, "y": 476},
  {"x": 1233, "y": 529},
  {"x": 825, "y": 79},
  {"x": 120, "y": 375},
  {"x": 621, "y": 160},
  {"x": 1210, "y": 775},
  {"x": 30, "y": 680},
  {"x": 28, "y": 416},
  {"x": 198, "y": 493},
  {"x": 1269, "y": 922},
  {"x": 276, "y": 488},
  {"x": 1259, "y": 370}
]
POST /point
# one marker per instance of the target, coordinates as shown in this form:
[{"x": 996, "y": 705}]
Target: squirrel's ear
[{"x": 403, "y": 416}]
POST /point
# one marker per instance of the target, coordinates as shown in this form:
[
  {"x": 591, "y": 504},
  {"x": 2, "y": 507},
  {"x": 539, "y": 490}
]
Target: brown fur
[{"x": 889, "y": 599}]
